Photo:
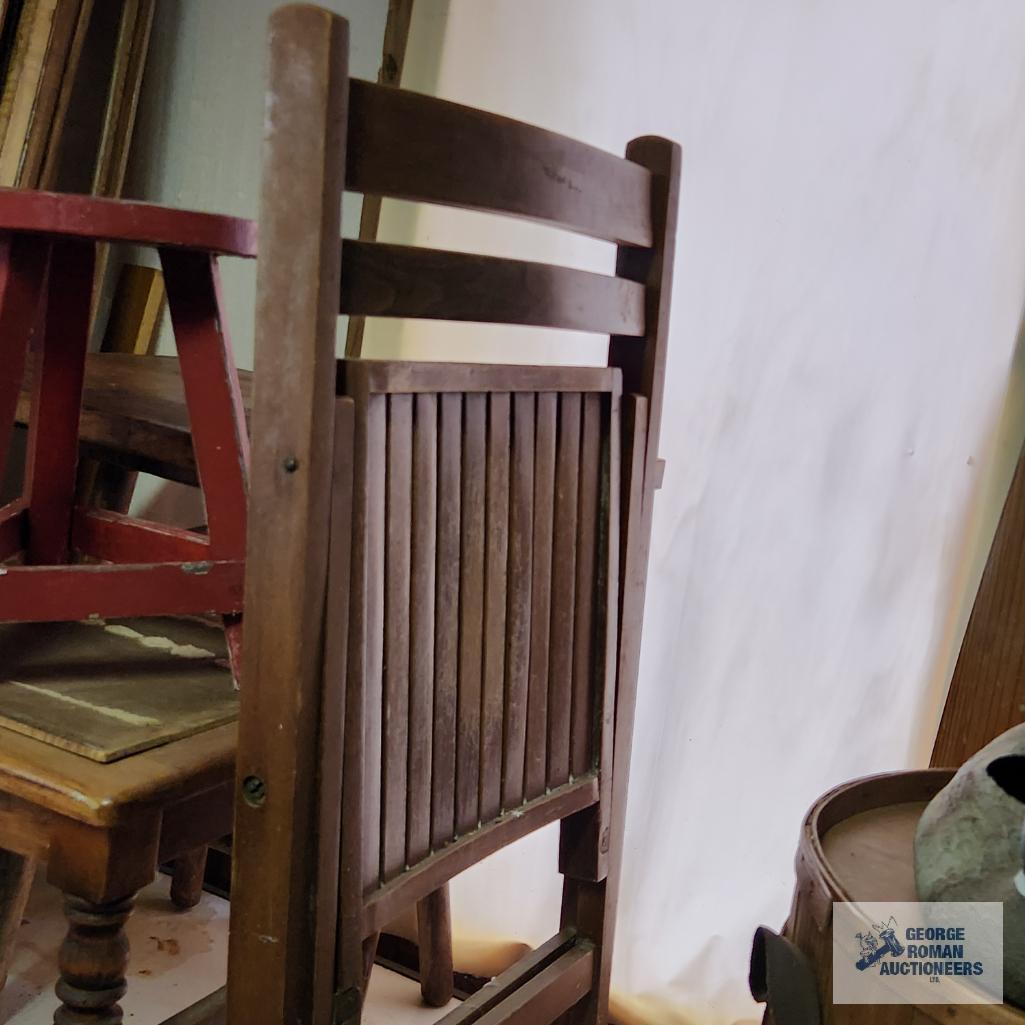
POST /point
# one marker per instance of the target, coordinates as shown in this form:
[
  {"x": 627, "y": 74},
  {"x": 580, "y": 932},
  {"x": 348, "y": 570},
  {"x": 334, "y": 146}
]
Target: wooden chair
[
  {"x": 446, "y": 563},
  {"x": 99, "y": 790}
]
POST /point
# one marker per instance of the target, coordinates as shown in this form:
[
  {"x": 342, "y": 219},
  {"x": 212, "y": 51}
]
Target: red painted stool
[{"x": 133, "y": 567}]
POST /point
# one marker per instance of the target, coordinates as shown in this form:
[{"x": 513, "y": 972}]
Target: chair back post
[
  {"x": 271, "y": 955},
  {"x": 591, "y": 842}
]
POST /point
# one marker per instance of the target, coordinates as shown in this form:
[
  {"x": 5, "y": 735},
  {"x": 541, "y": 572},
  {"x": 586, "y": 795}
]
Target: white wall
[
  {"x": 851, "y": 274},
  {"x": 197, "y": 146},
  {"x": 200, "y": 129}
]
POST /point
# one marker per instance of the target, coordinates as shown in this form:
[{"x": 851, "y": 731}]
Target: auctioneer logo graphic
[
  {"x": 917, "y": 953},
  {"x": 876, "y": 942}
]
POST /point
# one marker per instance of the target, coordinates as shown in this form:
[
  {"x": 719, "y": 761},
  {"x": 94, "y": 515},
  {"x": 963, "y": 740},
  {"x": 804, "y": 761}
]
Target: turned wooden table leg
[
  {"x": 16, "y": 873},
  {"x": 92, "y": 960},
  {"x": 434, "y": 932},
  {"x": 187, "y": 878}
]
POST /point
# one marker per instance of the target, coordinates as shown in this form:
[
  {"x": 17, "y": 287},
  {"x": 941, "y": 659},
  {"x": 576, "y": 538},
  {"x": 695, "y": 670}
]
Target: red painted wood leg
[
  {"x": 52, "y": 457},
  {"x": 216, "y": 414},
  {"x": 23, "y": 261}
]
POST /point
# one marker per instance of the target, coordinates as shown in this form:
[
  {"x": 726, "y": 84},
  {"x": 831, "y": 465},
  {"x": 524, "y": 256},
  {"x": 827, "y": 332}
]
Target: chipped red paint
[{"x": 135, "y": 568}]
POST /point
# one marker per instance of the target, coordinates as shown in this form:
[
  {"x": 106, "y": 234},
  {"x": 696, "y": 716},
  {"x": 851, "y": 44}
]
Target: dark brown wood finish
[
  {"x": 471, "y": 615},
  {"x": 373, "y": 625},
  {"x": 535, "y": 766},
  {"x": 592, "y": 906},
  {"x": 496, "y": 584},
  {"x": 384, "y": 280},
  {"x": 564, "y": 556},
  {"x": 187, "y": 880},
  {"x": 434, "y": 934},
  {"x": 496, "y": 561},
  {"x": 297, "y": 288},
  {"x": 446, "y": 636},
  {"x": 402, "y": 144},
  {"x": 588, "y": 584},
  {"x": 424, "y": 514},
  {"x": 395, "y": 723},
  {"x": 518, "y": 615},
  {"x": 93, "y": 959}
]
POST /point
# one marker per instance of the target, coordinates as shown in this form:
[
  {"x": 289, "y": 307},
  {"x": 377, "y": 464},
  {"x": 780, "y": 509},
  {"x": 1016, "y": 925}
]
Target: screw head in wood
[
  {"x": 290, "y": 464},
  {"x": 254, "y": 791}
]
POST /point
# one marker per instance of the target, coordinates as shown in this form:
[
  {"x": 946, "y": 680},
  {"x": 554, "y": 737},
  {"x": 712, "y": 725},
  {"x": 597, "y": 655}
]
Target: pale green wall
[
  {"x": 197, "y": 146},
  {"x": 197, "y": 142}
]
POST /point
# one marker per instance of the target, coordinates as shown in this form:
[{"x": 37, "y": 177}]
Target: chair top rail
[
  {"x": 381, "y": 280},
  {"x": 114, "y": 220},
  {"x": 405, "y": 145},
  {"x": 373, "y": 377}
]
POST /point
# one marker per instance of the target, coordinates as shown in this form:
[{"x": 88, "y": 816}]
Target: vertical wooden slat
[
  {"x": 395, "y": 724},
  {"x": 471, "y": 613},
  {"x": 517, "y": 659},
  {"x": 373, "y": 686},
  {"x": 584, "y": 841},
  {"x": 348, "y": 965},
  {"x": 535, "y": 762},
  {"x": 446, "y": 622},
  {"x": 421, "y": 624},
  {"x": 581, "y": 714},
  {"x": 496, "y": 571},
  {"x": 334, "y": 711},
  {"x": 560, "y": 676}
]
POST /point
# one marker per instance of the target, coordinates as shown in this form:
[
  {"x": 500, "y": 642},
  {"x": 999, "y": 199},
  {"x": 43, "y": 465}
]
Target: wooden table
[{"x": 102, "y": 829}]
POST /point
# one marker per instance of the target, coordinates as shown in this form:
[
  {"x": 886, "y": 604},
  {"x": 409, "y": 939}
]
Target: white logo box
[{"x": 918, "y": 952}]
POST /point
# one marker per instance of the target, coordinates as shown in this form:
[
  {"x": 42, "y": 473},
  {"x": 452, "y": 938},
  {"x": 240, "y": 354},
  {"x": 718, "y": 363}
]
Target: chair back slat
[
  {"x": 381, "y": 280},
  {"x": 535, "y": 764},
  {"x": 496, "y": 585},
  {"x": 511, "y": 554},
  {"x": 519, "y": 569},
  {"x": 422, "y": 600},
  {"x": 406, "y": 145},
  {"x": 446, "y": 623},
  {"x": 395, "y": 723},
  {"x": 375, "y": 417}
]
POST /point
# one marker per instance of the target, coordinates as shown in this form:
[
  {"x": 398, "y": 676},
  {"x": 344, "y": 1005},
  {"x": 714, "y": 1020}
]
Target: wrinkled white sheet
[{"x": 849, "y": 288}]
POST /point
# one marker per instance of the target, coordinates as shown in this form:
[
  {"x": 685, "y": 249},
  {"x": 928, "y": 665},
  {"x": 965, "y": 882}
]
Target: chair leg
[
  {"x": 93, "y": 959},
  {"x": 434, "y": 930},
  {"x": 187, "y": 878},
  {"x": 590, "y": 908},
  {"x": 16, "y": 874},
  {"x": 369, "y": 953}
]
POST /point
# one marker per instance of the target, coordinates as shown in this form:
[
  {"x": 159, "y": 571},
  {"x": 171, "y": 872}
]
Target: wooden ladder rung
[{"x": 536, "y": 990}]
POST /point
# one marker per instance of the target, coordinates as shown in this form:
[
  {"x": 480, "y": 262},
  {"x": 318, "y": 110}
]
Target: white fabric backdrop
[{"x": 850, "y": 284}]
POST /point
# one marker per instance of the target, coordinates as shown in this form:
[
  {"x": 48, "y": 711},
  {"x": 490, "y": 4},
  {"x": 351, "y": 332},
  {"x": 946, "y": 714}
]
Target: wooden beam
[
  {"x": 516, "y": 975},
  {"x": 987, "y": 690}
]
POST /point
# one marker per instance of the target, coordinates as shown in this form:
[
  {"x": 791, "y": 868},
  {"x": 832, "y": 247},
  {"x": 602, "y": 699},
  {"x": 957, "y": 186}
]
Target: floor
[{"x": 177, "y": 958}]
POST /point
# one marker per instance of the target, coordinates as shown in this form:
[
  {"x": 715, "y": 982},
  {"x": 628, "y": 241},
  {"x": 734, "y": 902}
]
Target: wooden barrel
[{"x": 857, "y": 844}]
